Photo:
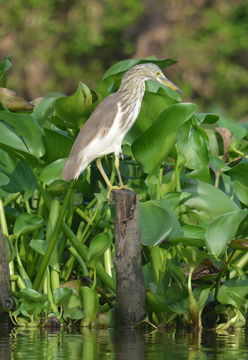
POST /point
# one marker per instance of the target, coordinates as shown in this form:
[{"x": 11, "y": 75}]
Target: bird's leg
[
  {"x": 104, "y": 175},
  {"x": 108, "y": 182},
  {"x": 117, "y": 166}
]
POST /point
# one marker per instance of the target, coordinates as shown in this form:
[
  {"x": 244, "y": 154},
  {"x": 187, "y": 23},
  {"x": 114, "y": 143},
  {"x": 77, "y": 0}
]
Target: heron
[{"x": 104, "y": 131}]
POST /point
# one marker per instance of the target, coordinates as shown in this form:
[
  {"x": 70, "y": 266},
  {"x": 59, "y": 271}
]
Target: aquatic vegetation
[{"x": 189, "y": 170}]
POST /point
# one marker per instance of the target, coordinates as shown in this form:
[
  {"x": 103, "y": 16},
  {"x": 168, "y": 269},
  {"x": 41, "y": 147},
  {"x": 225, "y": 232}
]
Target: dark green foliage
[{"x": 193, "y": 217}]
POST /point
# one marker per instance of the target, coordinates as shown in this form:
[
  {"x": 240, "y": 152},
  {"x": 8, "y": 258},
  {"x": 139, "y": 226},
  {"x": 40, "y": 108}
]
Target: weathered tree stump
[
  {"x": 6, "y": 300},
  {"x": 130, "y": 297}
]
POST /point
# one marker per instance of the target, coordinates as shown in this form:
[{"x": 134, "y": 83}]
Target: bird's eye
[{"x": 158, "y": 73}]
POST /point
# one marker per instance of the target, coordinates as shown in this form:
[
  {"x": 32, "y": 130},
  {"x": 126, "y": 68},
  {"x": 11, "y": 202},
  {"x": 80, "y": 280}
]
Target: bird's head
[{"x": 149, "y": 71}]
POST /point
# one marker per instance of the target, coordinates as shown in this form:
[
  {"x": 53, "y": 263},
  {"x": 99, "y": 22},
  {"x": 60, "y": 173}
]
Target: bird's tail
[{"x": 73, "y": 168}]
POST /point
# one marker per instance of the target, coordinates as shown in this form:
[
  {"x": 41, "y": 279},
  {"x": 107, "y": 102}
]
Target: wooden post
[
  {"x": 6, "y": 300},
  {"x": 130, "y": 298}
]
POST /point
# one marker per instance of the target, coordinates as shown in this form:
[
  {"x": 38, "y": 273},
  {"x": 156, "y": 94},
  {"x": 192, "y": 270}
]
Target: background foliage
[{"x": 56, "y": 43}]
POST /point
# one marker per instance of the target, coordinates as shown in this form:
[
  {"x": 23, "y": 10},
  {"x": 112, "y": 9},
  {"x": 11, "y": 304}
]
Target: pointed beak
[{"x": 169, "y": 84}]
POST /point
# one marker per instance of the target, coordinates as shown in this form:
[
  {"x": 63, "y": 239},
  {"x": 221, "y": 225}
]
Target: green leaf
[
  {"x": 31, "y": 295},
  {"x": 203, "y": 299},
  {"x": 194, "y": 231},
  {"x": 4, "y": 180},
  {"x": 26, "y": 134},
  {"x": 202, "y": 174},
  {"x": 26, "y": 223},
  {"x": 239, "y": 171},
  {"x": 192, "y": 145},
  {"x": 62, "y": 295},
  {"x": 45, "y": 108},
  {"x": 69, "y": 300},
  {"x": 57, "y": 145},
  {"x": 39, "y": 246},
  {"x": 10, "y": 141},
  {"x": 233, "y": 292},
  {"x": 193, "y": 256},
  {"x": 90, "y": 305},
  {"x": 74, "y": 109},
  {"x": 208, "y": 202},
  {"x": 222, "y": 230},
  {"x": 238, "y": 131},
  {"x": 241, "y": 191},
  {"x": 52, "y": 172},
  {"x": 207, "y": 118},
  {"x": 151, "y": 148},
  {"x": 155, "y": 303},
  {"x": 98, "y": 245},
  {"x": 152, "y": 105},
  {"x": 20, "y": 175},
  {"x": 4, "y": 67},
  {"x": 157, "y": 224}
]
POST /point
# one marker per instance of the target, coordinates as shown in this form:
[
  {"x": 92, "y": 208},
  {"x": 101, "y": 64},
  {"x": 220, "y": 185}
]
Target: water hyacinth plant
[{"x": 189, "y": 170}]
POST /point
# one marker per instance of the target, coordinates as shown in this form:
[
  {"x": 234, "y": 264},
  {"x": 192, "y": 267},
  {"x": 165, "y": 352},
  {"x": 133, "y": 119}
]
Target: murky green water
[{"x": 109, "y": 344}]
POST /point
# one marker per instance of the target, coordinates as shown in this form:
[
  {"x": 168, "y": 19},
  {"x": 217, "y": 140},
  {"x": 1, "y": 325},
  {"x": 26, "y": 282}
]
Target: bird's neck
[{"x": 133, "y": 86}]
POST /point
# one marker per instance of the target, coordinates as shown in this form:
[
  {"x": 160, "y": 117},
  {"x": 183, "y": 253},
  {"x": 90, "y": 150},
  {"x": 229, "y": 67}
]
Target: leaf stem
[{"x": 53, "y": 239}]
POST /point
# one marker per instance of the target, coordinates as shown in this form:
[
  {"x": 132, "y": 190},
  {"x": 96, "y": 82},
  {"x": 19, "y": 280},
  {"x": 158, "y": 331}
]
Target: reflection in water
[
  {"x": 4, "y": 341},
  {"x": 103, "y": 344}
]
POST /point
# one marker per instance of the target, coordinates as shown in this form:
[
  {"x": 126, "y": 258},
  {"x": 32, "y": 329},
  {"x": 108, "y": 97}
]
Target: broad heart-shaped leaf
[
  {"x": 151, "y": 148},
  {"x": 222, "y": 230},
  {"x": 27, "y": 136},
  {"x": 192, "y": 145},
  {"x": 233, "y": 292},
  {"x": 152, "y": 105},
  {"x": 57, "y": 144},
  {"x": 207, "y": 202},
  {"x": 26, "y": 223},
  {"x": 157, "y": 223},
  {"x": 45, "y": 108},
  {"x": 98, "y": 246},
  {"x": 20, "y": 175},
  {"x": 74, "y": 109},
  {"x": 52, "y": 172}
]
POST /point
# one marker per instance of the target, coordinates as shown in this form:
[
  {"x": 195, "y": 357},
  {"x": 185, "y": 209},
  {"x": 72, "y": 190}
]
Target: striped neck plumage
[{"x": 134, "y": 85}]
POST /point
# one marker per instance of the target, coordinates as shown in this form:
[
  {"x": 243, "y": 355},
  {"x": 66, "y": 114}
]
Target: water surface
[{"x": 34, "y": 344}]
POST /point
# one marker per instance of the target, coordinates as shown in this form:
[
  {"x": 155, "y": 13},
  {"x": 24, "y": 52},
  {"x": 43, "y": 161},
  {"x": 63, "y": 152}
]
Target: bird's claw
[{"x": 120, "y": 187}]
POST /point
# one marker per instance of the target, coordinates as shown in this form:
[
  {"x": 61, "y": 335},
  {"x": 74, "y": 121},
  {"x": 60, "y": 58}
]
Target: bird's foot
[{"x": 120, "y": 187}]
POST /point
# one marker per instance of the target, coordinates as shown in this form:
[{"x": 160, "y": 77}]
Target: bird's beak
[{"x": 169, "y": 84}]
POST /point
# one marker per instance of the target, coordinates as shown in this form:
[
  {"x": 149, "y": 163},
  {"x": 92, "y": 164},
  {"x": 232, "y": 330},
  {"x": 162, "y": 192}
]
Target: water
[{"x": 103, "y": 344}]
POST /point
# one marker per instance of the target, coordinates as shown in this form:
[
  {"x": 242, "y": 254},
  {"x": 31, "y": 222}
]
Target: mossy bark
[
  {"x": 6, "y": 301},
  {"x": 130, "y": 300}
]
